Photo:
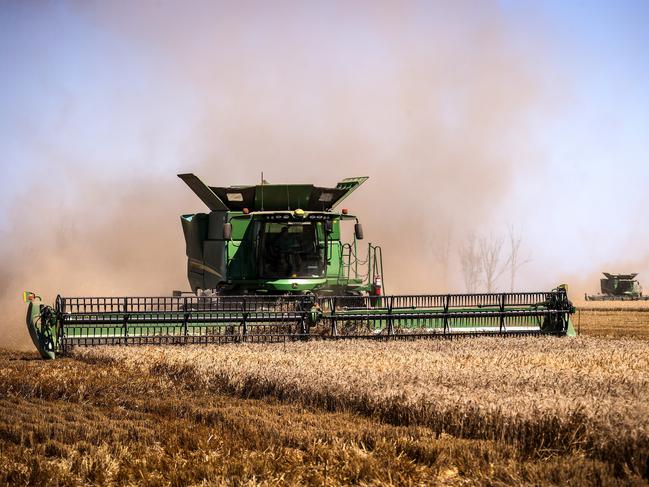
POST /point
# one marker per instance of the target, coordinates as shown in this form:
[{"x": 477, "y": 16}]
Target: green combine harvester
[
  {"x": 618, "y": 287},
  {"x": 268, "y": 263}
]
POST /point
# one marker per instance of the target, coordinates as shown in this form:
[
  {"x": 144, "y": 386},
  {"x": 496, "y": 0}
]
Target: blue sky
[
  {"x": 550, "y": 99},
  {"x": 597, "y": 148}
]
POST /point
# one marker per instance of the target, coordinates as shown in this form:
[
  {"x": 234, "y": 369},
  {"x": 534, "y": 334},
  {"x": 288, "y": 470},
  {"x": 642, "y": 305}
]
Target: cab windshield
[{"x": 290, "y": 249}]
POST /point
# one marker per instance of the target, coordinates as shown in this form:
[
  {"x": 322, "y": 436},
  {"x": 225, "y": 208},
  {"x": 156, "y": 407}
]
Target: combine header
[
  {"x": 618, "y": 287},
  {"x": 268, "y": 263}
]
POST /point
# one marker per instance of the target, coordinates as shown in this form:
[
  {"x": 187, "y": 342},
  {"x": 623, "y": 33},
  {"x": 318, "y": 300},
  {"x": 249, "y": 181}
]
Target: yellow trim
[{"x": 200, "y": 265}]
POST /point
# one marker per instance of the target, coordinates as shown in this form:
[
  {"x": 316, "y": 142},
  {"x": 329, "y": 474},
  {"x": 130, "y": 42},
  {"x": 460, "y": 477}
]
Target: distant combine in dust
[{"x": 619, "y": 287}]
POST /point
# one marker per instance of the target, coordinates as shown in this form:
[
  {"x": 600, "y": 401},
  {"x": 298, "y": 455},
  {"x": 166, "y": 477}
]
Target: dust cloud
[{"x": 427, "y": 100}]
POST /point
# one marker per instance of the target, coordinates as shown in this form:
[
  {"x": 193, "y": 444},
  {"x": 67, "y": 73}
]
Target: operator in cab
[{"x": 287, "y": 248}]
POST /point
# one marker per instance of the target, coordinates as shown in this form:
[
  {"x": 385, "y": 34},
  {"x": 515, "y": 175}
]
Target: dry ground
[
  {"x": 628, "y": 321},
  {"x": 473, "y": 411},
  {"x": 625, "y": 305}
]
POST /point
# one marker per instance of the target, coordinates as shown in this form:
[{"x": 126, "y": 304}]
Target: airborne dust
[{"x": 433, "y": 103}]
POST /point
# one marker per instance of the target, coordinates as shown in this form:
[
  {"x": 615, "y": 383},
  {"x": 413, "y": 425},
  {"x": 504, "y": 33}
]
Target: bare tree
[
  {"x": 470, "y": 262},
  {"x": 490, "y": 261},
  {"x": 441, "y": 247},
  {"x": 515, "y": 262},
  {"x": 481, "y": 259}
]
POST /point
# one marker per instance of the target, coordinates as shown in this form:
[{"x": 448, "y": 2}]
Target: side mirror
[
  {"x": 358, "y": 231},
  {"x": 227, "y": 231}
]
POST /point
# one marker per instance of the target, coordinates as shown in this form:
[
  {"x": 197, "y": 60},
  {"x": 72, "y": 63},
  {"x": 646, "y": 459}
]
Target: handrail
[{"x": 376, "y": 264}]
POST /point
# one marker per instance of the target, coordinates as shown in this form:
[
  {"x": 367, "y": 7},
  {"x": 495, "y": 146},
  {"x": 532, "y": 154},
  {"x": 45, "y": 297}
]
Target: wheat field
[
  {"x": 613, "y": 321},
  {"x": 475, "y": 411}
]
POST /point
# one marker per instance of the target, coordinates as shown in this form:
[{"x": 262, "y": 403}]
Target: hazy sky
[
  {"x": 594, "y": 151},
  {"x": 468, "y": 116}
]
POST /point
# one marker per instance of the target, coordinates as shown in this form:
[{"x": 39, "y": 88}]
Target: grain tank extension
[{"x": 284, "y": 262}]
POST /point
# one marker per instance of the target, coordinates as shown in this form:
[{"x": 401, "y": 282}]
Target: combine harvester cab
[
  {"x": 275, "y": 239},
  {"x": 269, "y": 263}
]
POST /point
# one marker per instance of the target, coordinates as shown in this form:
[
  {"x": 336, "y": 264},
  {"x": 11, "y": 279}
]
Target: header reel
[{"x": 178, "y": 320}]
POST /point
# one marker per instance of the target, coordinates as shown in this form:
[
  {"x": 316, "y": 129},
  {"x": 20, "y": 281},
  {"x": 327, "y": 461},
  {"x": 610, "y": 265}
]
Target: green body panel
[{"x": 571, "y": 329}]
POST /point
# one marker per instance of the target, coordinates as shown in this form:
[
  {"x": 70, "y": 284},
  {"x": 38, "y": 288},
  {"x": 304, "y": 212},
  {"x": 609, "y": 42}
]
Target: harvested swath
[
  {"x": 613, "y": 322},
  {"x": 542, "y": 395},
  {"x": 611, "y": 305}
]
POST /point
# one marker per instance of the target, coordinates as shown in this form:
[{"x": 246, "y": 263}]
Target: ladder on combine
[{"x": 352, "y": 265}]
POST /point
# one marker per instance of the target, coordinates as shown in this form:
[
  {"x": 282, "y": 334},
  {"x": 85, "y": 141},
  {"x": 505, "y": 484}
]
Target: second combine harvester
[{"x": 269, "y": 263}]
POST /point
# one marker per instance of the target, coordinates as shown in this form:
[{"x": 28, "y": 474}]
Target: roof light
[
  {"x": 234, "y": 197},
  {"x": 246, "y": 211},
  {"x": 345, "y": 211},
  {"x": 29, "y": 296}
]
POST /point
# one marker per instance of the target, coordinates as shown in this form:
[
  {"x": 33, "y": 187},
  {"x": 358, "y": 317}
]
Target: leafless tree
[
  {"x": 470, "y": 262},
  {"x": 441, "y": 247},
  {"x": 490, "y": 260},
  {"x": 515, "y": 262}
]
